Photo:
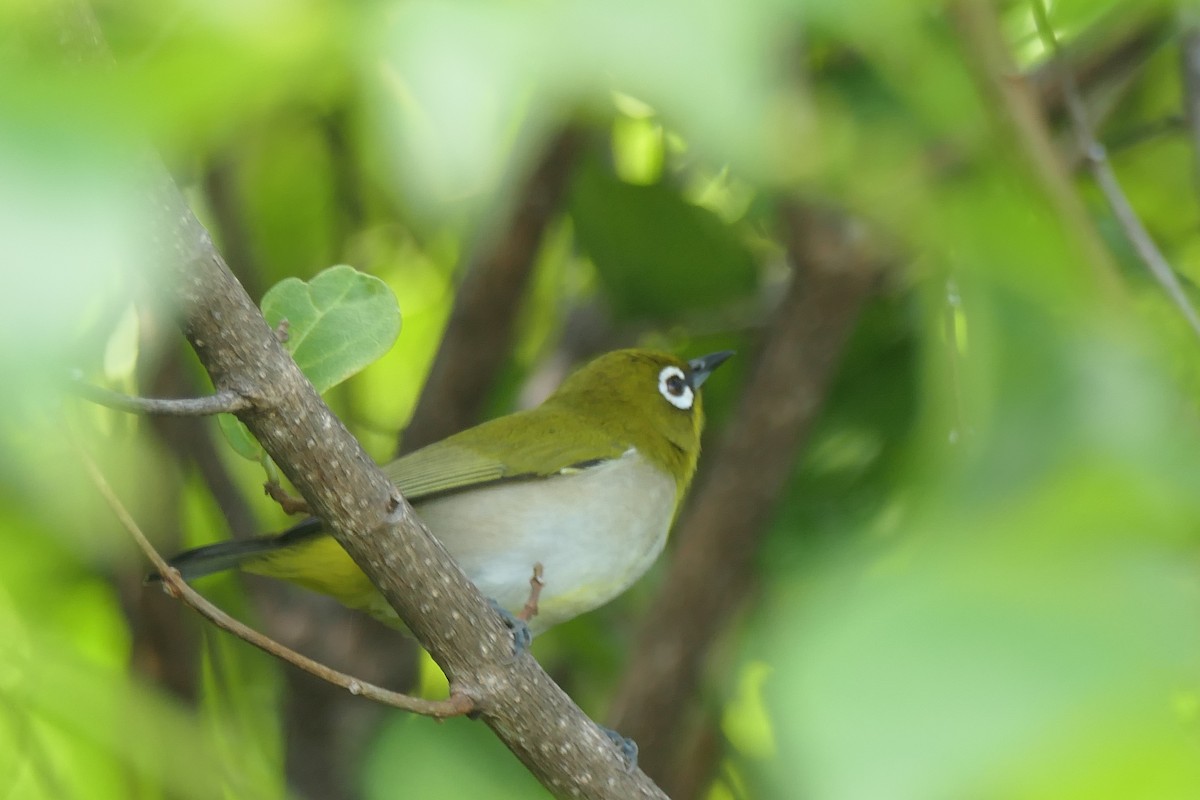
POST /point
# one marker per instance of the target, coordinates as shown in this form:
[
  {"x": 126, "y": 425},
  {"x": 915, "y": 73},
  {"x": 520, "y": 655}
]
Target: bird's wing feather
[
  {"x": 520, "y": 446},
  {"x": 440, "y": 468}
]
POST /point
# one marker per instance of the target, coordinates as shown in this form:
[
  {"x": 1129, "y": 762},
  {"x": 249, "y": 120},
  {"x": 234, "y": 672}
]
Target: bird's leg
[
  {"x": 535, "y": 591},
  {"x": 519, "y": 623},
  {"x": 289, "y": 504}
]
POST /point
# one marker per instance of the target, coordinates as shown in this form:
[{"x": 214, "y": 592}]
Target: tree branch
[
  {"x": 363, "y": 511},
  {"x": 454, "y": 706},
  {"x": 1102, "y": 172},
  {"x": 711, "y": 571},
  {"x": 1019, "y": 112},
  {"x": 1105, "y": 58},
  {"x": 226, "y": 401},
  {"x": 568, "y": 753},
  {"x": 473, "y": 350},
  {"x": 534, "y": 718}
]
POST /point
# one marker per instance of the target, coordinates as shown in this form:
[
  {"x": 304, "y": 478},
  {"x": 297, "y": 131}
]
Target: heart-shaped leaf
[{"x": 338, "y": 323}]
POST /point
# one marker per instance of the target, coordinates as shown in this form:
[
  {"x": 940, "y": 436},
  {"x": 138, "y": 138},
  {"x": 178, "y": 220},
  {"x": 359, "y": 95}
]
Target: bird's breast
[{"x": 594, "y": 531}]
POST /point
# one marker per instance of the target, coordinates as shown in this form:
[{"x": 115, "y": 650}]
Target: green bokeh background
[{"x": 981, "y": 580}]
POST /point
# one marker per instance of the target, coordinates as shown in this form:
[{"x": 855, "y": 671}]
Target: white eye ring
[{"x": 673, "y": 385}]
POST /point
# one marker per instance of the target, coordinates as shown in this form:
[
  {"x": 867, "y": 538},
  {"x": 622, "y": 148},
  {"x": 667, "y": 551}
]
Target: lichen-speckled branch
[
  {"x": 534, "y": 718},
  {"x": 365, "y": 513}
]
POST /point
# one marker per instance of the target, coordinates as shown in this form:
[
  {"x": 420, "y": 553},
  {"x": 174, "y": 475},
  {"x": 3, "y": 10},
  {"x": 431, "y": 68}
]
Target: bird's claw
[
  {"x": 627, "y": 746},
  {"x": 521, "y": 635}
]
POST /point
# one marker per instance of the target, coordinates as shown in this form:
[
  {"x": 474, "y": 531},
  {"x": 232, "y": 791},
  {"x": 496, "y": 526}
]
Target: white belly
[{"x": 594, "y": 532}]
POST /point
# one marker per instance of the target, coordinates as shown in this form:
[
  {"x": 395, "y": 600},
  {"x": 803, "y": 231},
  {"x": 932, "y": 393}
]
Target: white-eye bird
[{"x": 587, "y": 485}]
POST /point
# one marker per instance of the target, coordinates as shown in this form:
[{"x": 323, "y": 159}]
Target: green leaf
[
  {"x": 338, "y": 323},
  {"x": 657, "y": 254},
  {"x": 239, "y": 437}
]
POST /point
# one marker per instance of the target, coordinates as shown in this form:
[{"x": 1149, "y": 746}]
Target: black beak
[{"x": 703, "y": 366}]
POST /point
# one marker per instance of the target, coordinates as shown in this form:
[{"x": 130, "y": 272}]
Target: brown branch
[
  {"x": 478, "y": 337},
  {"x": 1102, "y": 172},
  {"x": 161, "y": 649},
  {"x": 190, "y": 439},
  {"x": 454, "y": 706},
  {"x": 474, "y": 348},
  {"x": 325, "y": 729},
  {"x": 534, "y": 718},
  {"x": 1105, "y": 58},
  {"x": 711, "y": 571},
  {"x": 568, "y": 753},
  {"x": 226, "y": 401},
  {"x": 1005, "y": 89},
  {"x": 479, "y": 333}
]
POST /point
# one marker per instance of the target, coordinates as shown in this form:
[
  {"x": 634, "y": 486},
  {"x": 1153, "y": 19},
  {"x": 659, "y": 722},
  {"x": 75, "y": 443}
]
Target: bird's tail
[{"x": 211, "y": 558}]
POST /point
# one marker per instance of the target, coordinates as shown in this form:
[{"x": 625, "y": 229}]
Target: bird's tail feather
[{"x": 206, "y": 560}]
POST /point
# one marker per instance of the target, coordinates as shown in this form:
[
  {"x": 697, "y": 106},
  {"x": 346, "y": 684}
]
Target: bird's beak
[{"x": 703, "y": 366}]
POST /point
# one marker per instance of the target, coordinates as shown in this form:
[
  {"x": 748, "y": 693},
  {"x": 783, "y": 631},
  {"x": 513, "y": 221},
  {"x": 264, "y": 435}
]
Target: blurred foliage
[
  {"x": 468, "y": 762},
  {"x": 656, "y": 254},
  {"x": 981, "y": 580}
]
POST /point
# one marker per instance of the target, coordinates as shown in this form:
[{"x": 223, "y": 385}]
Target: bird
[{"x": 587, "y": 485}]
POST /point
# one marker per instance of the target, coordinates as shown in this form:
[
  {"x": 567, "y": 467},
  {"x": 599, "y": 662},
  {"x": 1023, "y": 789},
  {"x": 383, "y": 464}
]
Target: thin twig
[
  {"x": 1102, "y": 172},
  {"x": 225, "y": 401},
  {"x": 455, "y": 705},
  {"x": 1020, "y": 116},
  {"x": 535, "y": 719},
  {"x": 1105, "y": 58}
]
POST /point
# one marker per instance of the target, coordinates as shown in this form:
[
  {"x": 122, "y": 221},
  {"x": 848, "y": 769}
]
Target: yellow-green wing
[{"x": 530, "y": 444}]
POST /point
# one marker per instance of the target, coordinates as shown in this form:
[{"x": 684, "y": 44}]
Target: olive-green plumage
[
  {"x": 586, "y": 484},
  {"x": 597, "y": 413}
]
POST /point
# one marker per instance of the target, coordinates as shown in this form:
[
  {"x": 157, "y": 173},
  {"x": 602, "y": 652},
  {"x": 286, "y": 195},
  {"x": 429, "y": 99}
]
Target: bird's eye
[{"x": 674, "y": 386}]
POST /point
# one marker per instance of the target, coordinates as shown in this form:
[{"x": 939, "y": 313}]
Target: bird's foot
[
  {"x": 535, "y": 592},
  {"x": 521, "y": 635},
  {"x": 628, "y": 747},
  {"x": 289, "y": 504}
]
